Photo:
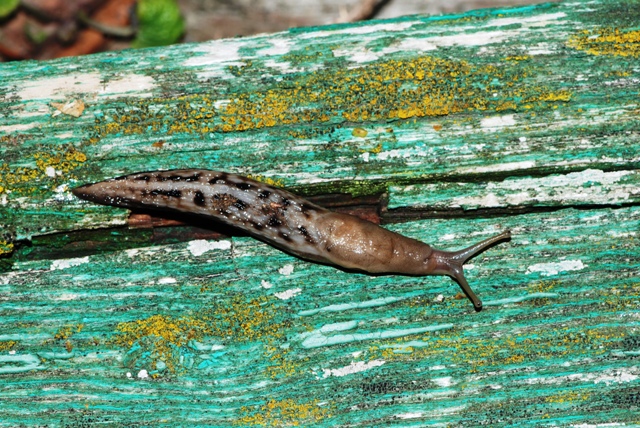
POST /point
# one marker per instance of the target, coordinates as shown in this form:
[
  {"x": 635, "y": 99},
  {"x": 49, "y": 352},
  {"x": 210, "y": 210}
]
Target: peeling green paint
[{"x": 506, "y": 118}]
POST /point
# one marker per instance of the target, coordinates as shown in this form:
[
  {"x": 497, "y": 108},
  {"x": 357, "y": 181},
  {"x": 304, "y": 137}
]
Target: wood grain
[{"x": 448, "y": 129}]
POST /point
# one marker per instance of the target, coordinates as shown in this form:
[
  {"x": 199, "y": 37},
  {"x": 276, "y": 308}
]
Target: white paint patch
[
  {"x": 217, "y": 52},
  {"x": 354, "y": 367},
  {"x": 473, "y": 39},
  {"x": 359, "y": 55},
  {"x": 67, "y": 263},
  {"x": 66, "y": 297},
  {"x": 279, "y": 46},
  {"x": 138, "y": 84},
  {"x": 411, "y": 44},
  {"x": 365, "y": 29},
  {"x": 50, "y": 171},
  {"x": 18, "y": 127},
  {"x": 547, "y": 269},
  {"x": 143, "y": 374},
  {"x": 167, "y": 280},
  {"x": 365, "y": 156},
  {"x": 284, "y": 67},
  {"x": 541, "y": 49},
  {"x": 201, "y": 246},
  {"x": 132, "y": 252},
  {"x": 495, "y": 122},
  {"x": 47, "y": 88},
  {"x": 509, "y": 166},
  {"x": 616, "y": 377},
  {"x": 609, "y": 424},
  {"x": 443, "y": 381},
  {"x": 266, "y": 284},
  {"x": 585, "y": 186},
  {"x": 529, "y": 22},
  {"x": 410, "y": 415},
  {"x": 286, "y": 270},
  {"x": 339, "y": 326},
  {"x": 286, "y": 295}
]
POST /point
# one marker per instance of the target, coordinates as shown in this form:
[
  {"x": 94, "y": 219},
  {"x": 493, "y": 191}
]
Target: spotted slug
[{"x": 286, "y": 221}]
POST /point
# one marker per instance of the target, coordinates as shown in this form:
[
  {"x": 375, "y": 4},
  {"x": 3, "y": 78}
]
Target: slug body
[{"x": 285, "y": 221}]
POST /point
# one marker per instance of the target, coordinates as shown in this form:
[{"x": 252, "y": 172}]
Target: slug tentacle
[
  {"x": 285, "y": 221},
  {"x": 451, "y": 263}
]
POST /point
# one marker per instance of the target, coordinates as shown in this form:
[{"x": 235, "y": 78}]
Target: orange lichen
[
  {"x": 283, "y": 413},
  {"x": 47, "y": 164},
  {"x": 239, "y": 319},
  {"x": 67, "y": 331},
  {"x": 607, "y": 41},
  {"x": 479, "y": 352},
  {"x": 6, "y": 247},
  {"x": 7, "y": 345},
  {"x": 384, "y": 90}
]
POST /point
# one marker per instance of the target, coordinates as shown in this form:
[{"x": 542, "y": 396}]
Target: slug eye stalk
[{"x": 451, "y": 263}]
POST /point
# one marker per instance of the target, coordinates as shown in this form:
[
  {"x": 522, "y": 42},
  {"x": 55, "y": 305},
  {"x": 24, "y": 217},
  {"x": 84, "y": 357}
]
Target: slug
[{"x": 286, "y": 221}]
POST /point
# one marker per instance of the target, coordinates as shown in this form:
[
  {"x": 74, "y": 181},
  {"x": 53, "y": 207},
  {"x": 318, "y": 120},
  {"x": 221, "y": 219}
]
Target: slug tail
[{"x": 451, "y": 262}]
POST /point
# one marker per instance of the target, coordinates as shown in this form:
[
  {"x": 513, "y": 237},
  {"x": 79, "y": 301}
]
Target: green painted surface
[{"x": 484, "y": 115}]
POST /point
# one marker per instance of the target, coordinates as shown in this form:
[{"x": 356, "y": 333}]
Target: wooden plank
[
  {"x": 334, "y": 109},
  {"x": 522, "y": 118},
  {"x": 233, "y": 332},
  {"x": 585, "y": 188}
]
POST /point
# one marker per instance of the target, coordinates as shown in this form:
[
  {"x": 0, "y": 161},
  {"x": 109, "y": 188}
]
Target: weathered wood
[{"x": 521, "y": 118}]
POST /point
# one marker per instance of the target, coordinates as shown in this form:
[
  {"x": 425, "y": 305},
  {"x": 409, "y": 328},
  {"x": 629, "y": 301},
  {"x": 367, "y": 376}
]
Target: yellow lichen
[
  {"x": 7, "y": 345},
  {"x": 267, "y": 180},
  {"x": 568, "y": 397},
  {"x": 518, "y": 58},
  {"x": 607, "y": 41},
  {"x": 359, "y": 132},
  {"x": 46, "y": 163},
  {"x": 542, "y": 286},
  {"x": 385, "y": 90},
  {"x": 239, "y": 319},
  {"x": 283, "y": 413},
  {"x": 67, "y": 331},
  {"x": 480, "y": 352},
  {"x": 284, "y": 364},
  {"x": 6, "y": 247}
]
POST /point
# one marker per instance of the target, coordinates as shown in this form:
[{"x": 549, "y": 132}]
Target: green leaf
[
  {"x": 7, "y": 6},
  {"x": 160, "y": 23}
]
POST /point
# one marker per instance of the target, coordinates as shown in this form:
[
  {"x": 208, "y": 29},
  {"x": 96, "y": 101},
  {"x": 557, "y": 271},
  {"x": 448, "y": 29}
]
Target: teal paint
[{"x": 132, "y": 326}]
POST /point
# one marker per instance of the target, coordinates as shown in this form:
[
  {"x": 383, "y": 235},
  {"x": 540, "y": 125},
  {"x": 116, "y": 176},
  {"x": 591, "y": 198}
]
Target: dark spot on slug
[
  {"x": 220, "y": 179},
  {"x": 243, "y": 186},
  {"x": 222, "y": 201},
  {"x": 173, "y": 193},
  {"x": 264, "y": 194},
  {"x": 303, "y": 230},
  {"x": 174, "y": 178},
  {"x": 198, "y": 199},
  {"x": 240, "y": 205},
  {"x": 285, "y": 236},
  {"x": 124, "y": 177},
  {"x": 286, "y": 202},
  {"x": 257, "y": 226},
  {"x": 274, "y": 222},
  {"x": 194, "y": 177},
  {"x": 305, "y": 210}
]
